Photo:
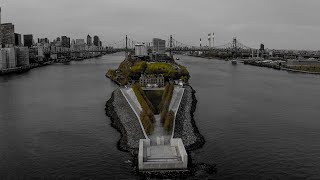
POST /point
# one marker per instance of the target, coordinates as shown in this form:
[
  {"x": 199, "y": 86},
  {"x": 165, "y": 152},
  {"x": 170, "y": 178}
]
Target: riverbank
[{"x": 23, "y": 69}]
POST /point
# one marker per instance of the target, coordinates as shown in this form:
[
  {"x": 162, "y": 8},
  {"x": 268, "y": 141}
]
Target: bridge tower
[
  {"x": 235, "y": 47},
  {"x": 126, "y": 46},
  {"x": 170, "y": 45}
]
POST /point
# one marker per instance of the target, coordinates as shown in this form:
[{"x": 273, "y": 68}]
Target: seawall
[
  {"x": 185, "y": 125},
  {"x": 125, "y": 121}
]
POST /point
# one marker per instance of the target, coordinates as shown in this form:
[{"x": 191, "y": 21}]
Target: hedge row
[
  {"x": 168, "y": 121},
  {"x": 166, "y": 100},
  {"x": 147, "y": 114}
]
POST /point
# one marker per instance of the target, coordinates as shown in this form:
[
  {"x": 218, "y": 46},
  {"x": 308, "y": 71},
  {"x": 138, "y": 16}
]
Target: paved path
[
  {"x": 159, "y": 132},
  {"x": 176, "y": 98},
  {"x": 159, "y": 136},
  {"x": 131, "y": 97}
]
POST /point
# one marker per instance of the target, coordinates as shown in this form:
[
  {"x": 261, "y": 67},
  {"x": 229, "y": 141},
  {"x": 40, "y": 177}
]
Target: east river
[{"x": 258, "y": 123}]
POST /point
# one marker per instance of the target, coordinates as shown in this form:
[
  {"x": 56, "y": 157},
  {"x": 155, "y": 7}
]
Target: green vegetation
[
  {"x": 155, "y": 97},
  {"x": 147, "y": 114},
  {"x": 131, "y": 69},
  {"x": 315, "y": 68},
  {"x": 166, "y": 100},
  {"x": 168, "y": 121}
]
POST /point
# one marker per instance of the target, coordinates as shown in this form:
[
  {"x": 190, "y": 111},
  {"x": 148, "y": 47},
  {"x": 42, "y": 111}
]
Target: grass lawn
[{"x": 154, "y": 97}]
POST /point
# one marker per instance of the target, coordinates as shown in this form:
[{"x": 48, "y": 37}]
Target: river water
[{"x": 258, "y": 123}]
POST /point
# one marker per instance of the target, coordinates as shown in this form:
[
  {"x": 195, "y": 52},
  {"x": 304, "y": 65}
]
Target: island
[{"x": 153, "y": 110}]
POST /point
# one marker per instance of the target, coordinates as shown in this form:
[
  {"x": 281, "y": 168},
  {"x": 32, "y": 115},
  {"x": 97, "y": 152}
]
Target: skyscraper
[
  {"x": 0, "y": 29},
  {"x": 28, "y": 40},
  {"x": 65, "y": 41},
  {"x": 89, "y": 40},
  {"x": 7, "y": 34},
  {"x": 17, "y": 39},
  {"x": 96, "y": 41}
]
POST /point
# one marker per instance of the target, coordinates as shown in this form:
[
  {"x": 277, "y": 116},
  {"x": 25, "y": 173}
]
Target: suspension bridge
[{"x": 128, "y": 44}]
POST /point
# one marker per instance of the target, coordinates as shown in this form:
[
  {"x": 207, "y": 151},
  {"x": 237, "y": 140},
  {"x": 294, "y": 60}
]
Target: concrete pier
[{"x": 159, "y": 151}]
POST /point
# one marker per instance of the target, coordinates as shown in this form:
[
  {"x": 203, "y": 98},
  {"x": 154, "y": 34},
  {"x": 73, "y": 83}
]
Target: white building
[{"x": 141, "y": 50}]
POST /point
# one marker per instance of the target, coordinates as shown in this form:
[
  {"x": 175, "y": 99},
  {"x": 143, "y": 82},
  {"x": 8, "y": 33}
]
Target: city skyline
[{"x": 276, "y": 24}]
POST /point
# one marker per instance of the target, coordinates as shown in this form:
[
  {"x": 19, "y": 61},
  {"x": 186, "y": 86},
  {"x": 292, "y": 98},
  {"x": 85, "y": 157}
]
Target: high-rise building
[
  {"x": 100, "y": 43},
  {"x": 65, "y": 41},
  {"x": 96, "y": 40},
  {"x": 43, "y": 41},
  {"x": 0, "y": 32},
  {"x": 89, "y": 40},
  {"x": 22, "y": 55},
  {"x": 159, "y": 46},
  {"x": 7, "y": 34},
  {"x": 80, "y": 41},
  {"x": 17, "y": 39},
  {"x": 28, "y": 40},
  {"x": 261, "y": 47}
]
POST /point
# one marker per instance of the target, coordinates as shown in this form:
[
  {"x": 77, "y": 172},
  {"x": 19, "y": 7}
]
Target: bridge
[{"x": 235, "y": 47}]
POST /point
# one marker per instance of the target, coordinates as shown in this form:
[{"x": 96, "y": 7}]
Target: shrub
[
  {"x": 166, "y": 100},
  {"x": 168, "y": 122},
  {"x": 146, "y": 122},
  {"x": 147, "y": 115}
]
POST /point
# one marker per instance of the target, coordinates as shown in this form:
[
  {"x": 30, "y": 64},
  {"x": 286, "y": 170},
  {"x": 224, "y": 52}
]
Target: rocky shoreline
[
  {"x": 125, "y": 121},
  {"x": 185, "y": 125},
  {"x": 122, "y": 116}
]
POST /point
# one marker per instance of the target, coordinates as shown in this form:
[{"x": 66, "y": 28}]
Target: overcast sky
[{"x": 281, "y": 24}]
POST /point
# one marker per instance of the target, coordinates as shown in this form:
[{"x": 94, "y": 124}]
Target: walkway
[
  {"x": 176, "y": 99},
  {"x": 159, "y": 134}
]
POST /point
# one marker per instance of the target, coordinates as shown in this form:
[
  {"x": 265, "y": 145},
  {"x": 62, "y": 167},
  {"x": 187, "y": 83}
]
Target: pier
[{"x": 159, "y": 150}]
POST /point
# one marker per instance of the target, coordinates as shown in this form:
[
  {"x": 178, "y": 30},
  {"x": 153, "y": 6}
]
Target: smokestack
[
  {"x": 209, "y": 39},
  {"x": 213, "y": 40},
  {"x": 200, "y": 43}
]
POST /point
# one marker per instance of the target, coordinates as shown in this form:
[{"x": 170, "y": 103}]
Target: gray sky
[{"x": 281, "y": 24}]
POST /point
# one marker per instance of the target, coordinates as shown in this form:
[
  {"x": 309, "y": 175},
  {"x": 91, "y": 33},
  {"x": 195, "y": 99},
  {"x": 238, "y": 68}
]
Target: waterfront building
[
  {"x": 96, "y": 40},
  {"x": 141, "y": 50},
  {"x": 7, "y": 35},
  {"x": 22, "y": 55},
  {"x": 159, "y": 46},
  {"x": 17, "y": 39},
  {"x": 89, "y": 40},
  {"x": 3, "y": 57},
  {"x": 65, "y": 41},
  {"x": 8, "y": 58},
  {"x": 28, "y": 40},
  {"x": 153, "y": 80}
]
